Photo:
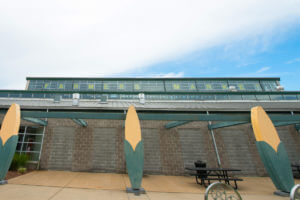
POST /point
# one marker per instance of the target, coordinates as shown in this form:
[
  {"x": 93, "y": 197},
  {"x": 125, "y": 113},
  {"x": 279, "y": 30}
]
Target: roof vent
[
  {"x": 103, "y": 98},
  {"x": 76, "y": 97},
  {"x": 57, "y": 98},
  {"x": 232, "y": 88},
  {"x": 279, "y": 88},
  {"x": 142, "y": 98}
]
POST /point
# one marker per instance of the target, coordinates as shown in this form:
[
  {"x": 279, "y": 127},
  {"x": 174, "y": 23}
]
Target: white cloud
[
  {"x": 171, "y": 74},
  {"x": 293, "y": 61},
  {"x": 102, "y": 38},
  {"x": 263, "y": 69}
]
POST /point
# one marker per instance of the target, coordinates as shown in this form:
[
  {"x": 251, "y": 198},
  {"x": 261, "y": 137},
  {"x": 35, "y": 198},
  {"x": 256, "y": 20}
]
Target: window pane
[
  {"x": 290, "y": 97},
  {"x": 155, "y": 86},
  {"x": 207, "y": 97},
  {"x": 49, "y": 95},
  {"x": 83, "y": 85},
  {"x": 38, "y": 95},
  {"x": 76, "y": 86},
  {"x": 212, "y": 85},
  {"x": 235, "y": 97},
  {"x": 262, "y": 97},
  {"x": 20, "y": 138},
  {"x": 33, "y": 156},
  {"x": 221, "y": 97},
  {"x": 3, "y": 94},
  {"x": 98, "y": 86},
  {"x": 36, "y": 130},
  {"x": 180, "y": 86},
  {"x": 269, "y": 85},
  {"x": 22, "y": 129},
  {"x": 118, "y": 86},
  {"x": 87, "y": 96},
  {"x": 276, "y": 97},
  {"x": 19, "y": 145},
  {"x": 66, "y": 96},
  {"x": 114, "y": 96},
  {"x": 27, "y": 95},
  {"x": 241, "y": 85},
  {"x": 249, "y": 97},
  {"x": 68, "y": 85}
]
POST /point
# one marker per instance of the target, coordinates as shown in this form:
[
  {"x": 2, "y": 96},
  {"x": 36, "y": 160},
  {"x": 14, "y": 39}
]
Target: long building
[{"x": 77, "y": 124}]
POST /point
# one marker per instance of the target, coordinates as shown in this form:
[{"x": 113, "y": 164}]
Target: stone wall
[{"x": 100, "y": 146}]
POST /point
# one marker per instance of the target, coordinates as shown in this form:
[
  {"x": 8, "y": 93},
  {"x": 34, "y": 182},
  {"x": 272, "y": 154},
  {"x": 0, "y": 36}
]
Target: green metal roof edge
[
  {"x": 171, "y": 93},
  {"x": 152, "y": 79}
]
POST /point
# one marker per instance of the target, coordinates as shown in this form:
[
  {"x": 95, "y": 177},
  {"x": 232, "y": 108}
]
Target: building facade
[{"x": 77, "y": 124}]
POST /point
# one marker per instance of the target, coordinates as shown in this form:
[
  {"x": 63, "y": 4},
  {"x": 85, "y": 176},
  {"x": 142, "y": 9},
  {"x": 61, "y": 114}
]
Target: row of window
[
  {"x": 158, "y": 86},
  {"x": 156, "y": 96},
  {"x": 30, "y": 142}
]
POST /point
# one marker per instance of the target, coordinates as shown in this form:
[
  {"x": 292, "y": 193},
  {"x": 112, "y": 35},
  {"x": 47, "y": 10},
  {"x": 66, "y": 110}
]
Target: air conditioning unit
[
  {"x": 232, "y": 88},
  {"x": 76, "y": 97},
  {"x": 279, "y": 88},
  {"x": 57, "y": 98},
  {"x": 103, "y": 98},
  {"x": 142, "y": 98}
]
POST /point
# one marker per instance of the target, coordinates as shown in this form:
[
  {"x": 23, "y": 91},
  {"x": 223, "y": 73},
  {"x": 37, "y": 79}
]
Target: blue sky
[
  {"x": 280, "y": 58},
  {"x": 170, "y": 38}
]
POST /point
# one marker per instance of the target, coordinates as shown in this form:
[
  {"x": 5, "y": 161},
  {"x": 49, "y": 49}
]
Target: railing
[{"x": 203, "y": 96}]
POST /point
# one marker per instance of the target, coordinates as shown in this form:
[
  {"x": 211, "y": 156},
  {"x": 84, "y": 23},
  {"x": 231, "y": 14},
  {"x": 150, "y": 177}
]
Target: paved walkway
[{"x": 60, "y": 185}]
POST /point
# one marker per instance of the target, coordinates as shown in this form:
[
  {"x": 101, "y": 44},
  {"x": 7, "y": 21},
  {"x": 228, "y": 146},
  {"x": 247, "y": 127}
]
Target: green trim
[
  {"x": 285, "y": 123},
  {"x": 154, "y": 116},
  {"x": 145, "y": 92},
  {"x": 80, "y": 122},
  {"x": 226, "y": 124},
  {"x": 175, "y": 124},
  {"x": 152, "y": 79},
  {"x": 7, "y": 153},
  {"x": 36, "y": 121}
]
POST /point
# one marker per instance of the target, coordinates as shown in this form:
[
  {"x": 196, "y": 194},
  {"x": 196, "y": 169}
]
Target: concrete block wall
[
  {"x": 100, "y": 147},
  {"x": 152, "y": 156},
  {"x": 104, "y": 150},
  {"x": 291, "y": 140},
  {"x": 62, "y": 148}
]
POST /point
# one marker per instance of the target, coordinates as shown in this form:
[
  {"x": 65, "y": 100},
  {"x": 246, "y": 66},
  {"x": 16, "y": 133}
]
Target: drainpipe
[
  {"x": 214, "y": 142},
  {"x": 42, "y": 142}
]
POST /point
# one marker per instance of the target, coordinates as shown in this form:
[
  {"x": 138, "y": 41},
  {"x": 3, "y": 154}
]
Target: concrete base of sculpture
[
  {"x": 2, "y": 182},
  {"x": 136, "y": 192},
  {"x": 281, "y": 193}
]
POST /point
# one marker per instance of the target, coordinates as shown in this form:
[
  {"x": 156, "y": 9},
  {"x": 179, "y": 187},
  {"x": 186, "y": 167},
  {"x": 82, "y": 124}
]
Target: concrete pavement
[{"x": 60, "y": 185}]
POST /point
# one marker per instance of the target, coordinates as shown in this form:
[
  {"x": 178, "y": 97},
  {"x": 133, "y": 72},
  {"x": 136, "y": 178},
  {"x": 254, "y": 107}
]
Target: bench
[
  {"x": 214, "y": 177},
  {"x": 226, "y": 180}
]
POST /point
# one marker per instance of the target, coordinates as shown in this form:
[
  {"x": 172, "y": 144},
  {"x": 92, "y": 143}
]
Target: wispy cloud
[
  {"x": 293, "y": 61},
  {"x": 171, "y": 75},
  {"x": 263, "y": 69},
  {"x": 71, "y": 38}
]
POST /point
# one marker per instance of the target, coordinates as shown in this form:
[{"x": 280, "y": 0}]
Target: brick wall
[
  {"x": 100, "y": 147},
  {"x": 62, "y": 148},
  {"x": 152, "y": 156},
  {"x": 104, "y": 149},
  {"x": 291, "y": 140}
]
